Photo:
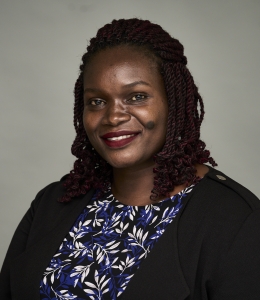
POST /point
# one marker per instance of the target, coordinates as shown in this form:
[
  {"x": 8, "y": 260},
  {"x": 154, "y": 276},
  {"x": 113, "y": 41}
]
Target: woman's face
[{"x": 125, "y": 107}]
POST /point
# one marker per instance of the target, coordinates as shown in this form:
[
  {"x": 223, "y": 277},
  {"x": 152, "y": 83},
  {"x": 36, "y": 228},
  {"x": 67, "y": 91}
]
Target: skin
[{"x": 123, "y": 90}]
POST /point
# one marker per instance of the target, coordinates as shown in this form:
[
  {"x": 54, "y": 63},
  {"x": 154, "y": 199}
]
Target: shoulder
[
  {"x": 49, "y": 193},
  {"x": 47, "y": 199},
  {"x": 54, "y": 187},
  {"x": 220, "y": 179},
  {"x": 225, "y": 191},
  {"x": 216, "y": 210},
  {"x": 46, "y": 208},
  {"x": 219, "y": 227}
]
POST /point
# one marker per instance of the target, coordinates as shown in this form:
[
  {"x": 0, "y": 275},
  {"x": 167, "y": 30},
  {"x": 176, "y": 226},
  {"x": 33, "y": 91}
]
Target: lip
[{"x": 122, "y": 142}]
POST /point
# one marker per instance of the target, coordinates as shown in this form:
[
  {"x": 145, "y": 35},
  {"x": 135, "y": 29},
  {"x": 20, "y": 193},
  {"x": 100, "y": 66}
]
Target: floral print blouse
[{"x": 105, "y": 247}]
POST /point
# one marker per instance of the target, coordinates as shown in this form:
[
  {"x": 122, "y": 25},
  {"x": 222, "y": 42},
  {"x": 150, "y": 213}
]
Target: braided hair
[{"x": 174, "y": 164}]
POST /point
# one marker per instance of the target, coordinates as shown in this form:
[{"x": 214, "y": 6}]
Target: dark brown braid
[{"x": 183, "y": 147}]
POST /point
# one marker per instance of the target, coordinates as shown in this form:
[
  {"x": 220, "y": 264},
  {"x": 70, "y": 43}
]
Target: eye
[
  {"x": 96, "y": 102},
  {"x": 138, "y": 97}
]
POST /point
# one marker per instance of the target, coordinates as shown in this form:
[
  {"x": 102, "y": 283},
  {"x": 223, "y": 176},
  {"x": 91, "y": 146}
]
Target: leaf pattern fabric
[{"x": 105, "y": 247}]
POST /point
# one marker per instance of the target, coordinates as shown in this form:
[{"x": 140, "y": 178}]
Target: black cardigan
[{"x": 210, "y": 251}]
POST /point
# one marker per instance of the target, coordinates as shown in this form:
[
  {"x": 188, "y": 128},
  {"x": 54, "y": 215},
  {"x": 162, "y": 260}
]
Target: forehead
[{"x": 121, "y": 61}]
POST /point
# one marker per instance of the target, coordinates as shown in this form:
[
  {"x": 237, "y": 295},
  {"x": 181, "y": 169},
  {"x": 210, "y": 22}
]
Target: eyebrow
[
  {"x": 129, "y": 85},
  {"x": 132, "y": 84}
]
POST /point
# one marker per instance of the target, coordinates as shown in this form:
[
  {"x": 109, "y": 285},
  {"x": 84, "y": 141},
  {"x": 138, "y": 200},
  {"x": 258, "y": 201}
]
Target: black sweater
[{"x": 211, "y": 251}]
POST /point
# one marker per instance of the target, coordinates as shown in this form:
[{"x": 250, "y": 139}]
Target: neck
[{"x": 133, "y": 186}]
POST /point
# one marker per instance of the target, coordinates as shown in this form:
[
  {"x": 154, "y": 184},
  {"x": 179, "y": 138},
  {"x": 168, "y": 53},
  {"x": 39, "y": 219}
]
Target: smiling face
[{"x": 125, "y": 106}]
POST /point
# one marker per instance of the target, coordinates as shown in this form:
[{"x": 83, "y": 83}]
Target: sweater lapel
[{"x": 160, "y": 275}]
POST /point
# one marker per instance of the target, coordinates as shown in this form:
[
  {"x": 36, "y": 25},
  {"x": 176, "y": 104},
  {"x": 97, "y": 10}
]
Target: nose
[{"x": 116, "y": 114}]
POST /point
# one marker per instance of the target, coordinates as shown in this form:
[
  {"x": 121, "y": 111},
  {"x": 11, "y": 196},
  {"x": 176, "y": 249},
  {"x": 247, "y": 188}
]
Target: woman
[{"x": 140, "y": 216}]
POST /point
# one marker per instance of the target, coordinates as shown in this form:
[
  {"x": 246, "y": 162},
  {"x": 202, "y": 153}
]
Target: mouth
[{"x": 119, "y": 139}]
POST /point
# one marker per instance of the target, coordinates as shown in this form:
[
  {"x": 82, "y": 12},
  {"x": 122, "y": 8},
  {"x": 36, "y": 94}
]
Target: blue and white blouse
[{"x": 105, "y": 247}]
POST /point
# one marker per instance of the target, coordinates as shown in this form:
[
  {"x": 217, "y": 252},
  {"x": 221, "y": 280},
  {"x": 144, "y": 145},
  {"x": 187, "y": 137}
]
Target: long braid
[{"x": 183, "y": 147}]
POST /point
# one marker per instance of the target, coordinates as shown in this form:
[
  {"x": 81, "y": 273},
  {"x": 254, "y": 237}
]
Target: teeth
[{"x": 121, "y": 137}]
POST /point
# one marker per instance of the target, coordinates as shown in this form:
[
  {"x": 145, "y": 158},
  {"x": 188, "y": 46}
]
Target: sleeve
[
  {"x": 239, "y": 276},
  {"x": 17, "y": 246}
]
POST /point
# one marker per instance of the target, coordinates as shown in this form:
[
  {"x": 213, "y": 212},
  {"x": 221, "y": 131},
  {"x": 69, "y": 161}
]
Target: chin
[
  {"x": 130, "y": 163},
  {"x": 121, "y": 164}
]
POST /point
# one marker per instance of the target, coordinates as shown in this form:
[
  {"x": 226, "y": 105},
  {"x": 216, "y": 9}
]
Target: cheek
[{"x": 147, "y": 116}]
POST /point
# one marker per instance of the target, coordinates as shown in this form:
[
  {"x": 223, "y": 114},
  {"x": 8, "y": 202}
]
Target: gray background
[{"x": 41, "y": 47}]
